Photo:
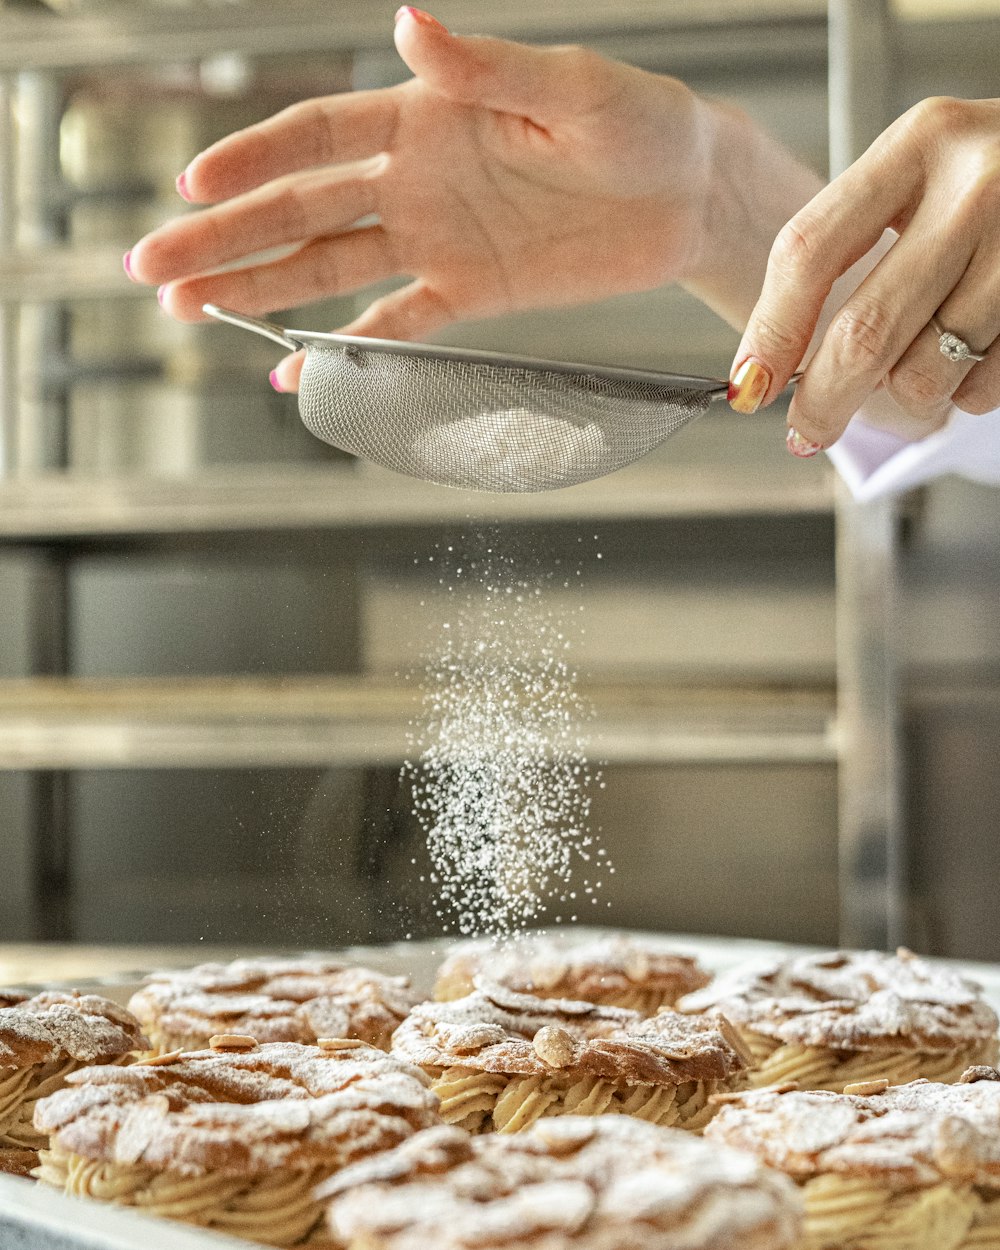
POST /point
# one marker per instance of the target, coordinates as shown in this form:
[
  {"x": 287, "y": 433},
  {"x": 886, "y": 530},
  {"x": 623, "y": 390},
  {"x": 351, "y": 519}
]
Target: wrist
[{"x": 753, "y": 185}]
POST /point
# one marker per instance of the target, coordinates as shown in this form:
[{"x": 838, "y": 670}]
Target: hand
[
  {"x": 501, "y": 177},
  {"x": 933, "y": 176}
]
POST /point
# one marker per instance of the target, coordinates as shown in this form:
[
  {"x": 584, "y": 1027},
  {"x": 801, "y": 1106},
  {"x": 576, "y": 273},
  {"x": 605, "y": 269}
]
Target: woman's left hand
[{"x": 934, "y": 177}]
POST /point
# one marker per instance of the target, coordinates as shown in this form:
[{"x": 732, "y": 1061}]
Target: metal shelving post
[{"x": 871, "y": 833}]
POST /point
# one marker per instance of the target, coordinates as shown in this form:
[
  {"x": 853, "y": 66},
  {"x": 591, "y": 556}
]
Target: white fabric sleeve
[{"x": 875, "y": 463}]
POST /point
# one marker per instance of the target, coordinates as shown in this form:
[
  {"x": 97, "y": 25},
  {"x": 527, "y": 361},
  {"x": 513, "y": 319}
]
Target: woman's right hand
[{"x": 501, "y": 177}]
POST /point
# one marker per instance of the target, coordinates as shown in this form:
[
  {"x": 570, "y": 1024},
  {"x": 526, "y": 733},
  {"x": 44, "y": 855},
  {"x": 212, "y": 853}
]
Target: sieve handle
[
  {"x": 722, "y": 390},
  {"x": 268, "y": 329}
]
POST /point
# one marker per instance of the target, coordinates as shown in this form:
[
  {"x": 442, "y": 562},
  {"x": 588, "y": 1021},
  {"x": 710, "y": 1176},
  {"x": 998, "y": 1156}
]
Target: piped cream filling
[
  {"x": 848, "y": 1213},
  {"x": 277, "y": 1209},
  {"x": 817, "y": 1067},
  {"x": 19, "y": 1091},
  {"x": 481, "y": 1102}
]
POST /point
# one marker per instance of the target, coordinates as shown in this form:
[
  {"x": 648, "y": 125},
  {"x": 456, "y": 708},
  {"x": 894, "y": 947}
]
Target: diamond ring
[{"x": 952, "y": 346}]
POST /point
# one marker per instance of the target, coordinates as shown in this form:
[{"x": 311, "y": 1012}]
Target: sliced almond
[
  {"x": 154, "y": 1061},
  {"x": 731, "y": 1036},
  {"x": 864, "y": 1088},
  {"x": 333, "y": 1044},
  {"x": 232, "y": 1041}
]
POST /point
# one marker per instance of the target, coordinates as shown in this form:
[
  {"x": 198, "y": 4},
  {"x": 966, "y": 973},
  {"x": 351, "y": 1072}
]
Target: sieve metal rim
[{"x": 295, "y": 340}]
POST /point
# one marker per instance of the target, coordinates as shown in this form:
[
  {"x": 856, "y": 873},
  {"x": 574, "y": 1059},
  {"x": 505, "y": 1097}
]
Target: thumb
[{"x": 495, "y": 73}]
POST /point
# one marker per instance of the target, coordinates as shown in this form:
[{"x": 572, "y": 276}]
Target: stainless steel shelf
[
  {"x": 59, "y": 506},
  {"x": 120, "y": 34},
  {"x": 61, "y": 274},
  {"x": 365, "y": 721}
]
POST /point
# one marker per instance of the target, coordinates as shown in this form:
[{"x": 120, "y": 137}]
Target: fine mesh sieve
[{"x": 480, "y": 420}]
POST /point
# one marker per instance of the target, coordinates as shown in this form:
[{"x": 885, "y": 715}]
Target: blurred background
[{"x": 208, "y": 618}]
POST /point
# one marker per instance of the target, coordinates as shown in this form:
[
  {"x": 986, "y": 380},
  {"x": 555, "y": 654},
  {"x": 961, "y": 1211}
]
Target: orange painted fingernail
[
  {"x": 418, "y": 15},
  {"x": 748, "y": 386},
  {"x": 801, "y": 446}
]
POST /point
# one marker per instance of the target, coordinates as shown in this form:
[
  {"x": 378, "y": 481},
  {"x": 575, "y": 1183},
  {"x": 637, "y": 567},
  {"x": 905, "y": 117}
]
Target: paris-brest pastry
[
  {"x": 570, "y": 1183},
  {"x": 235, "y": 1137},
  {"x": 42, "y": 1040},
  {"x": 272, "y": 1000},
  {"x": 830, "y": 1020},
  {"x": 903, "y": 1167},
  {"x": 500, "y": 1060},
  {"x": 616, "y": 971}
]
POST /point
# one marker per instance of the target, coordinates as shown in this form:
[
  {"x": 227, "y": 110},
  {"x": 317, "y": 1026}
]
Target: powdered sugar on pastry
[
  {"x": 861, "y": 1000},
  {"x": 615, "y": 970},
  {"x": 58, "y": 1026},
  {"x": 241, "y": 1113},
  {"x": 609, "y": 1184},
  {"x": 920, "y": 1134}
]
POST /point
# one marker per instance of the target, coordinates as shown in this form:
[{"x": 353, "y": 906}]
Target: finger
[
  {"x": 541, "y": 83},
  {"x": 980, "y": 391},
  {"x": 290, "y": 210},
  {"x": 325, "y": 131},
  {"x": 286, "y": 374},
  {"x": 972, "y": 311},
  {"x": 876, "y": 326},
  {"x": 833, "y": 232},
  {"x": 333, "y": 266},
  {"x": 411, "y": 313}
]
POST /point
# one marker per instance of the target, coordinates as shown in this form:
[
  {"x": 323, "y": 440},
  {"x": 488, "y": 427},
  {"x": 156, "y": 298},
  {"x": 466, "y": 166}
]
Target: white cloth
[{"x": 874, "y": 463}]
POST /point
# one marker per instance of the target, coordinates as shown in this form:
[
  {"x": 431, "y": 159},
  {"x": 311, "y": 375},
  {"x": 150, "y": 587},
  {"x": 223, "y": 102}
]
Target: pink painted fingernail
[
  {"x": 127, "y": 262},
  {"x": 418, "y": 15},
  {"x": 161, "y": 292},
  {"x": 800, "y": 446},
  {"x": 182, "y": 187},
  {"x": 276, "y": 381},
  {"x": 748, "y": 386}
]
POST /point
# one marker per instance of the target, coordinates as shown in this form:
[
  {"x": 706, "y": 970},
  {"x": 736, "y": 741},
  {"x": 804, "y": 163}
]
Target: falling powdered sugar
[{"x": 501, "y": 783}]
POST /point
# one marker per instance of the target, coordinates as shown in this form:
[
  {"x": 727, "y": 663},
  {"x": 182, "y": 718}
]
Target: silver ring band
[{"x": 952, "y": 346}]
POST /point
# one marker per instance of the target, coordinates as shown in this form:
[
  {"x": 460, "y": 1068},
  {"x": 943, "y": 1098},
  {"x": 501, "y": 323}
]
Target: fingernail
[
  {"x": 748, "y": 386},
  {"x": 160, "y": 293},
  {"x": 276, "y": 381},
  {"x": 182, "y": 187},
  {"x": 418, "y": 15},
  {"x": 800, "y": 446},
  {"x": 127, "y": 262}
]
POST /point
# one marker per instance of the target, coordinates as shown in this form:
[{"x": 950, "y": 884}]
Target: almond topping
[
  {"x": 864, "y": 1088},
  {"x": 333, "y": 1044},
  {"x": 554, "y": 1046},
  {"x": 232, "y": 1041},
  {"x": 636, "y": 966},
  {"x": 731, "y": 1036},
  {"x": 154, "y": 1061}
]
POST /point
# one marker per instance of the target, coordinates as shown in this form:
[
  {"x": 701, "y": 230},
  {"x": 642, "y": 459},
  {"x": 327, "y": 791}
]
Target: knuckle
[
  {"x": 861, "y": 335},
  {"x": 772, "y": 340},
  {"x": 916, "y": 387},
  {"x": 936, "y": 116},
  {"x": 795, "y": 249}
]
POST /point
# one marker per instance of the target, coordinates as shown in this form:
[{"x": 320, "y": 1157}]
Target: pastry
[
  {"x": 830, "y": 1020},
  {"x": 234, "y": 1137},
  {"x": 42, "y": 1040},
  {"x": 616, "y": 971},
  {"x": 272, "y": 1000},
  {"x": 904, "y": 1167},
  {"x": 500, "y": 1060},
  {"x": 568, "y": 1184}
]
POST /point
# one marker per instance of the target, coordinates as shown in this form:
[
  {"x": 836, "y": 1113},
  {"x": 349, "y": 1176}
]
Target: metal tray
[{"x": 37, "y": 1218}]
